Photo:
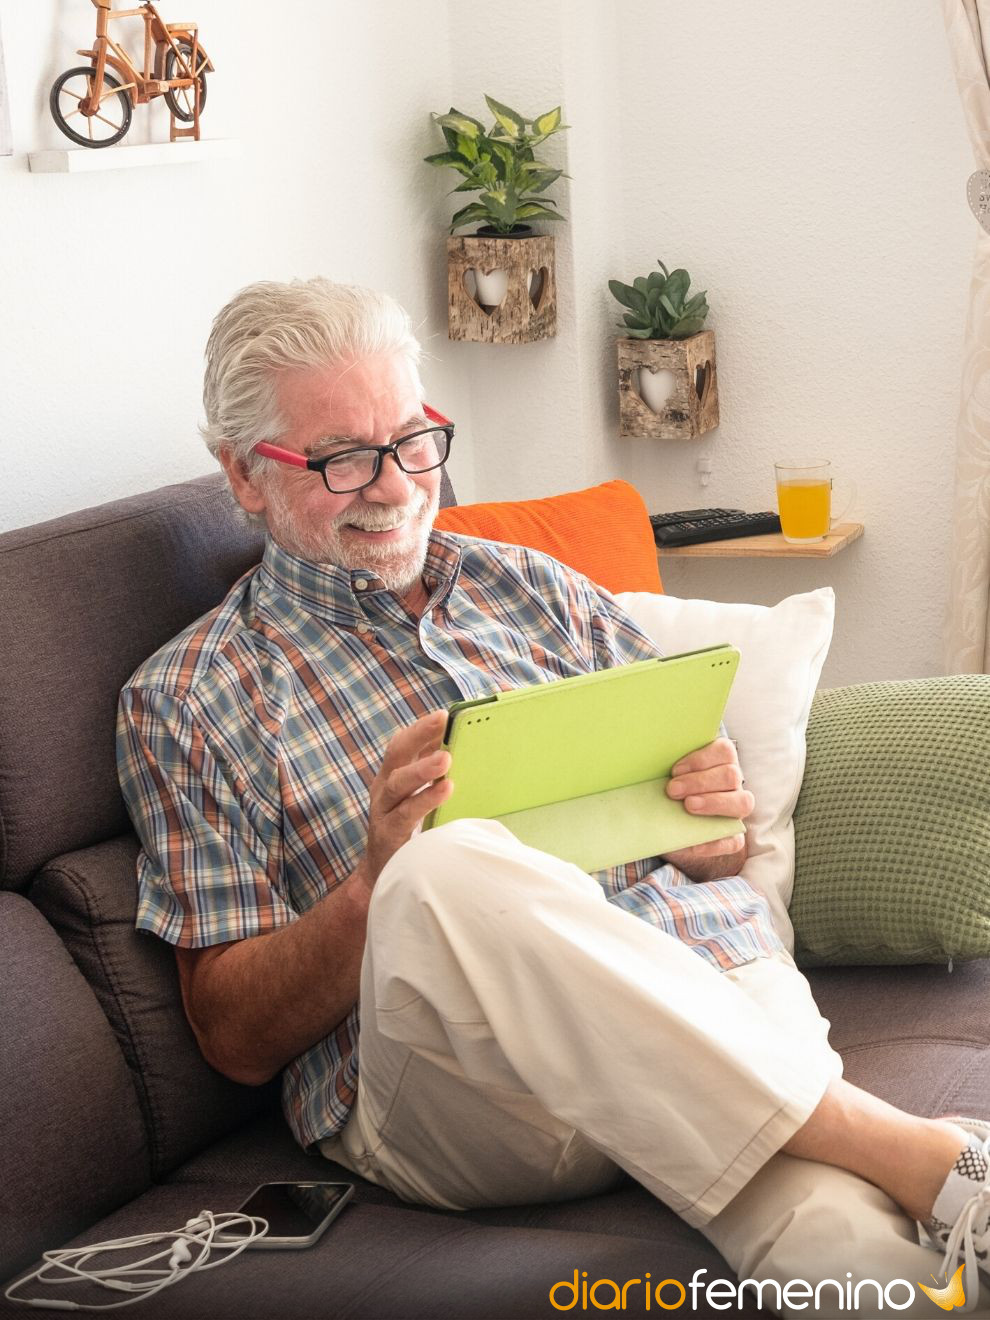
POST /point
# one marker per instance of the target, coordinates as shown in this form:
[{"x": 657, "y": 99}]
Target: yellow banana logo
[{"x": 949, "y": 1297}]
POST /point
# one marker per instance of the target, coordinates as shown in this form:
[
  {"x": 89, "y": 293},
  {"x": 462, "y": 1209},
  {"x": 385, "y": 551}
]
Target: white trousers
[{"x": 523, "y": 1040}]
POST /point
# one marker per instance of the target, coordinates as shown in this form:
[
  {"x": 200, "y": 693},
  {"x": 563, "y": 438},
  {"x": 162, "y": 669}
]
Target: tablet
[{"x": 579, "y": 767}]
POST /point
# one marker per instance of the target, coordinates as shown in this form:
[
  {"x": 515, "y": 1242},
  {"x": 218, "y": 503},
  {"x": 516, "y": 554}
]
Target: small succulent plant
[
  {"x": 659, "y": 306},
  {"x": 500, "y": 164}
]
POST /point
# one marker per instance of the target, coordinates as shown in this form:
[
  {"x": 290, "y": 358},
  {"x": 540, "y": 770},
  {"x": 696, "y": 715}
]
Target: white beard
[{"x": 398, "y": 564}]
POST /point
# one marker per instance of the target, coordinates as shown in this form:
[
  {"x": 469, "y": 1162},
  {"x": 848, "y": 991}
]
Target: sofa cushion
[
  {"x": 90, "y": 897},
  {"x": 892, "y": 825},
  {"x": 84, "y": 599},
  {"x": 264, "y": 1150},
  {"x": 397, "y": 1262},
  {"x": 72, "y": 1143},
  {"x": 918, "y": 1037},
  {"x": 603, "y": 532}
]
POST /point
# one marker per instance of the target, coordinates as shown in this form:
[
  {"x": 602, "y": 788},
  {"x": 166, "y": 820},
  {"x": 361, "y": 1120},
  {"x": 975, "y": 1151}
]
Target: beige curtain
[{"x": 967, "y": 631}]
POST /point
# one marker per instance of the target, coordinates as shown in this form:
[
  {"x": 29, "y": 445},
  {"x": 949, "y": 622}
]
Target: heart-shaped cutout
[
  {"x": 490, "y": 287},
  {"x": 656, "y": 385},
  {"x": 703, "y": 380},
  {"x": 471, "y": 289},
  {"x": 537, "y": 282}
]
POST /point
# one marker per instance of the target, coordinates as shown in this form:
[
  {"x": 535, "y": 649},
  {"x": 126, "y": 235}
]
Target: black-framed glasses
[{"x": 350, "y": 470}]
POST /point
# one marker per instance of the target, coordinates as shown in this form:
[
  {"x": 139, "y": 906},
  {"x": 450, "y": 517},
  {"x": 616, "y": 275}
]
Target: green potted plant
[
  {"x": 668, "y": 385},
  {"x": 501, "y": 278}
]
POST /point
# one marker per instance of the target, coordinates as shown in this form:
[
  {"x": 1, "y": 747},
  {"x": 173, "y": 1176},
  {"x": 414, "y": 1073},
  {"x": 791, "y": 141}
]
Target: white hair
[{"x": 270, "y": 327}]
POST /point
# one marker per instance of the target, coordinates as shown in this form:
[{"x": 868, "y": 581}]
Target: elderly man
[{"x": 526, "y": 1031}]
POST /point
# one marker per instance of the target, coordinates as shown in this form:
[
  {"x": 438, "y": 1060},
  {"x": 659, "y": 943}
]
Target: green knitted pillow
[{"x": 892, "y": 826}]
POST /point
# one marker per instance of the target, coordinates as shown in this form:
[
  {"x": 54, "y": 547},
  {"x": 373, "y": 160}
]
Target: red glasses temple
[
  {"x": 300, "y": 460},
  {"x": 433, "y": 416}
]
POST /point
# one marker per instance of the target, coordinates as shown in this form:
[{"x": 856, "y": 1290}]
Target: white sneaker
[{"x": 960, "y": 1221}]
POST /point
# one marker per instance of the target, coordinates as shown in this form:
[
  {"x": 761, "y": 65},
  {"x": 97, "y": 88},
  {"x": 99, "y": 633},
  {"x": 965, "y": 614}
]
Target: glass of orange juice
[{"x": 804, "y": 500}]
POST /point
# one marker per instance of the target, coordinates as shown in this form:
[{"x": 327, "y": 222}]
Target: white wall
[
  {"x": 821, "y": 191},
  {"x": 807, "y": 164}
]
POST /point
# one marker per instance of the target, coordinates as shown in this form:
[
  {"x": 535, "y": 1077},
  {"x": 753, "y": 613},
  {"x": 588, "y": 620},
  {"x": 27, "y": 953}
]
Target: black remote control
[
  {"x": 688, "y": 515},
  {"x": 694, "y": 526}
]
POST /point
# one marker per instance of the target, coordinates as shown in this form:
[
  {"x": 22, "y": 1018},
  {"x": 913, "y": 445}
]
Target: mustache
[{"x": 382, "y": 520}]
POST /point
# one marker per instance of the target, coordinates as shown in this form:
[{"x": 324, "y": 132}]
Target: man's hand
[
  {"x": 710, "y": 783},
  {"x": 407, "y": 787}
]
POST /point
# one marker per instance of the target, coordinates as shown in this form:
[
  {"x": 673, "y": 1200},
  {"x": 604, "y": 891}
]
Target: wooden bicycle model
[{"x": 175, "y": 66}]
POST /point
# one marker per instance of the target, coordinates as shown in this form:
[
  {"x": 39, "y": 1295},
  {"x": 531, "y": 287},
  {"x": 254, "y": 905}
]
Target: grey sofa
[{"x": 110, "y": 1121}]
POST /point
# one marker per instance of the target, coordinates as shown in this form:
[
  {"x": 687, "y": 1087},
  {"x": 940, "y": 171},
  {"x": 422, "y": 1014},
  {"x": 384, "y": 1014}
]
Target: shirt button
[
  {"x": 360, "y": 583},
  {"x": 363, "y": 629}
]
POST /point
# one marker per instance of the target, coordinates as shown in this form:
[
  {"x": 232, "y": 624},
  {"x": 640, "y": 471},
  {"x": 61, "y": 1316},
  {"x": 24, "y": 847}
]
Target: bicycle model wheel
[
  {"x": 102, "y": 129},
  {"x": 180, "y": 100}
]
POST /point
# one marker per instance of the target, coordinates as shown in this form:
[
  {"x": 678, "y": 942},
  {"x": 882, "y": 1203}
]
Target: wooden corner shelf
[{"x": 771, "y": 545}]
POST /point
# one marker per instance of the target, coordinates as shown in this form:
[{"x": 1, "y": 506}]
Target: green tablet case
[{"x": 579, "y": 767}]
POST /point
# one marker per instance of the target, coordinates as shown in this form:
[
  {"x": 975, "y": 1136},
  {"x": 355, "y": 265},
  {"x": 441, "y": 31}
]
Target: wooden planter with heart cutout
[
  {"x": 668, "y": 388},
  {"x": 523, "y": 289}
]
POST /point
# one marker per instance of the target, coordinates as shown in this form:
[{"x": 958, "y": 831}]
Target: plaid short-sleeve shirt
[{"x": 248, "y": 744}]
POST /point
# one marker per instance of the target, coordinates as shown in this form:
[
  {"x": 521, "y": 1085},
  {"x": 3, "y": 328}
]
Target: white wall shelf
[{"x": 78, "y": 160}]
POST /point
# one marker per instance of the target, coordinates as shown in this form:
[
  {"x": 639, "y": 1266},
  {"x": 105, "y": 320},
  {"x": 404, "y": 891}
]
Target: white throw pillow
[{"x": 782, "y": 649}]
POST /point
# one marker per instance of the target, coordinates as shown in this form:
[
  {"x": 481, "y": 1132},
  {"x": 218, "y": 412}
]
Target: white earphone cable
[{"x": 187, "y": 1250}]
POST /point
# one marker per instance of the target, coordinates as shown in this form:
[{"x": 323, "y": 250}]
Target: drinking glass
[{"x": 804, "y": 501}]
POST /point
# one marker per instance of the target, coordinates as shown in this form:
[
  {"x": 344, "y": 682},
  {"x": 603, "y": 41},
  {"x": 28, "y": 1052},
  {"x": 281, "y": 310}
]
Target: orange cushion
[{"x": 603, "y": 532}]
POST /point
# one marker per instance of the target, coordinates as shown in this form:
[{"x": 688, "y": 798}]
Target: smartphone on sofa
[{"x": 298, "y": 1213}]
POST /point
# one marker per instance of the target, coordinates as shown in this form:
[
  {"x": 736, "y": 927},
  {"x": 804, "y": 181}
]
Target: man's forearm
[
  {"x": 711, "y": 868},
  {"x": 262, "y": 1001}
]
